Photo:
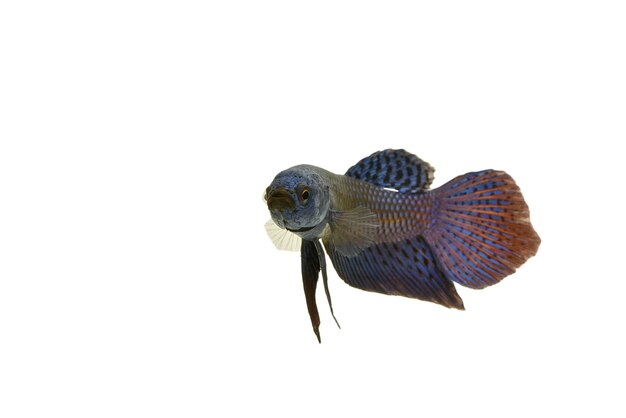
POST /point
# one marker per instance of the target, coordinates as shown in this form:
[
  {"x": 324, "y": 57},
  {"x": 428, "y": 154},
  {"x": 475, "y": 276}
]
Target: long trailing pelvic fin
[
  {"x": 313, "y": 260},
  {"x": 310, "y": 274},
  {"x": 322, "y": 263}
]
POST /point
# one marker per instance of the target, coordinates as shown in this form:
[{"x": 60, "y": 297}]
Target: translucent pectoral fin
[
  {"x": 282, "y": 239},
  {"x": 353, "y": 230}
]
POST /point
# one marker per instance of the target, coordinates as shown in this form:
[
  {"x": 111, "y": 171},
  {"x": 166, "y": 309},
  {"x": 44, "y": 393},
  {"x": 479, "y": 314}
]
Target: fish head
[{"x": 298, "y": 199}]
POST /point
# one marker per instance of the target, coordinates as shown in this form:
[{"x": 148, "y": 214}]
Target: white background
[{"x": 136, "y": 139}]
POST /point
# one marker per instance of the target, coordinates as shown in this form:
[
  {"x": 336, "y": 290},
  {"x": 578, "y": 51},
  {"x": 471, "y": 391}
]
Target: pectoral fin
[{"x": 353, "y": 230}]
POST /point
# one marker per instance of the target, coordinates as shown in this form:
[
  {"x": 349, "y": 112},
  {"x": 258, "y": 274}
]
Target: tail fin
[{"x": 481, "y": 230}]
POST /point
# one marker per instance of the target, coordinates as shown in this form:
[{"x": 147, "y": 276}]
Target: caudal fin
[{"x": 481, "y": 230}]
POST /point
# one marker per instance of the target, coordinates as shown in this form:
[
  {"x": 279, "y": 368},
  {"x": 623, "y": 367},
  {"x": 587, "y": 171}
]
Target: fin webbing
[
  {"x": 405, "y": 268},
  {"x": 395, "y": 169},
  {"x": 481, "y": 230},
  {"x": 310, "y": 275},
  {"x": 322, "y": 263}
]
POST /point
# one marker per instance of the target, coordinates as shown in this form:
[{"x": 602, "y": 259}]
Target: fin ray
[
  {"x": 395, "y": 169},
  {"x": 351, "y": 231},
  {"x": 481, "y": 231},
  {"x": 405, "y": 268},
  {"x": 282, "y": 239}
]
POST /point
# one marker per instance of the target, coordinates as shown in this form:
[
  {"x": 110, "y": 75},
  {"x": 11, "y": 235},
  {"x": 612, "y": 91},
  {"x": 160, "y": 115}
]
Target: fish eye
[{"x": 304, "y": 195}]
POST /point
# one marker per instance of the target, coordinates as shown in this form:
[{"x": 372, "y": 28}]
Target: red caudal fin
[{"x": 481, "y": 230}]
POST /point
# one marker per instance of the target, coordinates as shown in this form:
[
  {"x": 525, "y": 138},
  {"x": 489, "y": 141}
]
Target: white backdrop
[{"x": 136, "y": 139}]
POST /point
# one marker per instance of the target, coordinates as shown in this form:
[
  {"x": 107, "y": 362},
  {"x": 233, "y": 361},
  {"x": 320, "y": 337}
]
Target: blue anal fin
[{"x": 406, "y": 268}]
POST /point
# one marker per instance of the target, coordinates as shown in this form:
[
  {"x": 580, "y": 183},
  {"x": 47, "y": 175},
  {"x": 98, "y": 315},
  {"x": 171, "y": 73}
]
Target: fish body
[{"x": 385, "y": 231}]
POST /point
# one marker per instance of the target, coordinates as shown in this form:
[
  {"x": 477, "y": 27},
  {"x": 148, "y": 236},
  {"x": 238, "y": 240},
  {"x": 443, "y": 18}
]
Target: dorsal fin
[{"x": 395, "y": 169}]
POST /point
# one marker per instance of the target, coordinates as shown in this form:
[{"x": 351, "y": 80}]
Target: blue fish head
[{"x": 298, "y": 200}]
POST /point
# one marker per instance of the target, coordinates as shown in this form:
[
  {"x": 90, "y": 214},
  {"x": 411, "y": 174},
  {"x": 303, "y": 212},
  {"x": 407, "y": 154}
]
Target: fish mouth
[
  {"x": 280, "y": 199},
  {"x": 300, "y": 229}
]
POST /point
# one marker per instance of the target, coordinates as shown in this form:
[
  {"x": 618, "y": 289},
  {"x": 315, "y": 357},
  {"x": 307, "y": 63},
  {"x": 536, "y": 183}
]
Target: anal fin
[{"x": 406, "y": 268}]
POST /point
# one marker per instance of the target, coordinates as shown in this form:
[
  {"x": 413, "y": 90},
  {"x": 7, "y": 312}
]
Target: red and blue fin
[
  {"x": 394, "y": 169},
  {"x": 405, "y": 268},
  {"x": 481, "y": 230}
]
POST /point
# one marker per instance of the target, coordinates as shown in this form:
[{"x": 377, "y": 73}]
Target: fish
[{"x": 386, "y": 231}]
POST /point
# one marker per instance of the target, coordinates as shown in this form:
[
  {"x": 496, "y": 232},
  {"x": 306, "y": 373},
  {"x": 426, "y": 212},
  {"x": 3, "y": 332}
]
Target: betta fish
[{"x": 385, "y": 231}]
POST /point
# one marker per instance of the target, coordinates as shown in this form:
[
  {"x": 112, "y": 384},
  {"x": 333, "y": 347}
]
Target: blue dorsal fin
[{"x": 396, "y": 169}]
